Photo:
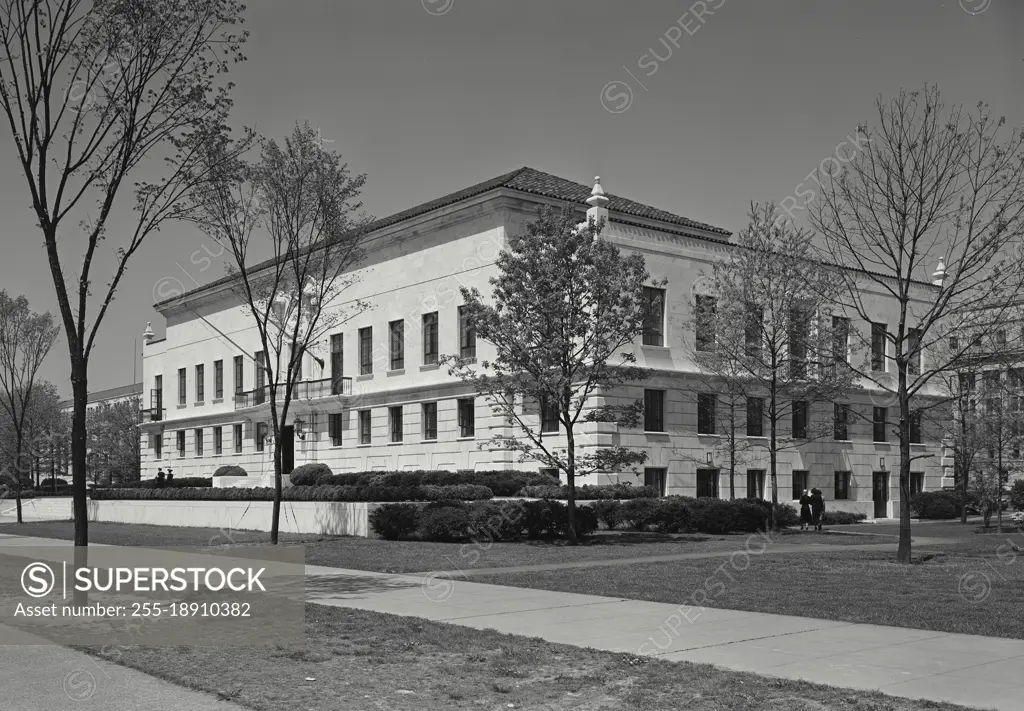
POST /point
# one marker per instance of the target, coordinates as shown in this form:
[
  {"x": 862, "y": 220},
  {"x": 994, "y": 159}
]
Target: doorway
[
  {"x": 707, "y": 483},
  {"x": 654, "y": 477},
  {"x": 287, "y": 449},
  {"x": 880, "y": 493}
]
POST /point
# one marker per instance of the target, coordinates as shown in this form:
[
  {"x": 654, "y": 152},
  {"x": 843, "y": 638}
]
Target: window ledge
[
  {"x": 364, "y": 445},
  {"x": 429, "y": 441},
  {"x": 199, "y": 403},
  {"x": 217, "y": 401},
  {"x": 652, "y": 347},
  {"x": 470, "y": 360},
  {"x": 395, "y": 444},
  {"x": 465, "y": 439},
  {"x": 367, "y": 376},
  {"x": 430, "y": 366},
  {"x": 708, "y": 434},
  {"x": 399, "y": 371},
  {"x": 747, "y": 436},
  {"x": 662, "y": 433},
  {"x": 181, "y": 406}
]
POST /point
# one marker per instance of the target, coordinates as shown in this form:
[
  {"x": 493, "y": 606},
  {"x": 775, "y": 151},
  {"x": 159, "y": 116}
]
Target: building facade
[{"x": 374, "y": 398}]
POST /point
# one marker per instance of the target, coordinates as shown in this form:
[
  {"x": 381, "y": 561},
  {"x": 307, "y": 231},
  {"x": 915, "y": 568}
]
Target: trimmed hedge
[
  {"x": 589, "y": 492},
  {"x": 48, "y": 483},
  {"x": 309, "y": 474},
  {"x": 502, "y": 483},
  {"x": 185, "y": 482},
  {"x": 679, "y": 514},
  {"x": 936, "y": 505},
  {"x": 841, "y": 518},
  {"x": 10, "y": 494},
  {"x": 480, "y": 521},
  {"x": 466, "y": 492},
  {"x": 230, "y": 470}
]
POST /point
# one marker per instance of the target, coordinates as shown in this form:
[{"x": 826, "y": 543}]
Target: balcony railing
[{"x": 304, "y": 390}]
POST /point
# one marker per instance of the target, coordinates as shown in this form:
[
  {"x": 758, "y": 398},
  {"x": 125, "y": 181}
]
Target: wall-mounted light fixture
[
  {"x": 881, "y": 463},
  {"x": 299, "y": 425},
  {"x": 709, "y": 459}
]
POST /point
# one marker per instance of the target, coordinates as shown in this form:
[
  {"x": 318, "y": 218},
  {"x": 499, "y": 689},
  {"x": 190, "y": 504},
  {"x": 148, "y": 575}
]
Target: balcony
[
  {"x": 304, "y": 390},
  {"x": 153, "y": 414}
]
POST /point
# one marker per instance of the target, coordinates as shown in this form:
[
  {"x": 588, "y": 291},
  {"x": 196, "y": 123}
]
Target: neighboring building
[
  {"x": 96, "y": 463},
  {"x": 397, "y": 409},
  {"x": 108, "y": 397}
]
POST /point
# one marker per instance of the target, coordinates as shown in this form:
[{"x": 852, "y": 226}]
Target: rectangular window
[
  {"x": 916, "y": 482},
  {"x": 753, "y": 331},
  {"x": 841, "y": 419},
  {"x": 156, "y": 398},
  {"x": 395, "y": 418},
  {"x": 878, "y": 331},
  {"x": 218, "y": 379},
  {"x": 549, "y": 415},
  {"x": 467, "y": 335},
  {"x": 182, "y": 386},
  {"x": 913, "y": 352},
  {"x": 261, "y": 435},
  {"x": 396, "y": 333},
  {"x": 260, "y": 369},
  {"x": 707, "y": 483},
  {"x": 297, "y": 353},
  {"x": 199, "y": 442},
  {"x": 467, "y": 418},
  {"x": 755, "y": 483},
  {"x": 654, "y": 410},
  {"x": 366, "y": 350},
  {"x": 337, "y": 364},
  {"x": 797, "y": 332},
  {"x": 954, "y": 345},
  {"x": 654, "y": 317},
  {"x": 236, "y": 435},
  {"x": 158, "y": 445},
  {"x": 800, "y": 483},
  {"x": 334, "y": 428},
  {"x": 364, "y": 427},
  {"x": 915, "y": 427},
  {"x": 181, "y": 443},
  {"x": 239, "y": 378},
  {"x": 840, "y": 339},
  {"x": 218, "y": 440},
  {"x": 654, "y": 477},
  {"x": 800, "y": 416},
  {"x": 1000, "y": 337},
  {"x": 880, "y": 425},
  {"x": 704, "y": 313},
  {"x": 706, "y": 414},
  {"x": 966, "y": 382},
  {"x": 842, "y": 488},
  {"x": 430, "y": 350},
  {"x": 200, "y": 383},
  {"x": 755, "y": 417},
  {"x": 430, "y": 420}
]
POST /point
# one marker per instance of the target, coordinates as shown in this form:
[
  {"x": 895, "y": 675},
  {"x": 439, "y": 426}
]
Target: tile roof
[
  {"x": 122, "y": 391},
  {"x": 526, "y": 180}
]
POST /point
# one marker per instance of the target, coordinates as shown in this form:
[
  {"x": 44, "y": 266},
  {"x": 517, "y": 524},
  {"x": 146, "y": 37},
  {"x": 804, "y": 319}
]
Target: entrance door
[
  {"x": 287, "y": 449},
  {"x": 880, "y": 493},
  {"x": 654, "y": 477}
]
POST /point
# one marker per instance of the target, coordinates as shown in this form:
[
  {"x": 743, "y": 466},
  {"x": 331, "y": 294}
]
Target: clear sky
[{"x": 429, "y": 96}]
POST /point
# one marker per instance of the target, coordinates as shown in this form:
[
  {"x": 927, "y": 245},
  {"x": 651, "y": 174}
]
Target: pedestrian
[
  {"x": 805, "y": 510},
  {"x": 817, "y": 507},
  {"x": 160, "y": 478},
  {"x": 170, "y": 477}
]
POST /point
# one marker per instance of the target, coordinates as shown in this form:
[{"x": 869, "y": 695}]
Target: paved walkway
[{"x": 977, "y": 671}]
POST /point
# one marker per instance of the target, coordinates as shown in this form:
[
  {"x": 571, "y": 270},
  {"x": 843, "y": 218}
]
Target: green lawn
[
  {"x": 354, "y": 659},
  {"x": 412, "y": 556}
]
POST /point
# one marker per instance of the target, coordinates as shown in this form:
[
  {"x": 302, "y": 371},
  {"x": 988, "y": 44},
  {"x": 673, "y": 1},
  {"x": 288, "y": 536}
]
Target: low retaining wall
[
  {"x": 328, "y": 518},
  {"x": 42, "y": 508}
]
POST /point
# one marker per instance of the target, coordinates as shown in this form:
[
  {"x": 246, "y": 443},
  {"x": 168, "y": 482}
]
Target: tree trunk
[
  {"x": 19, "y": 441},
  {"x": 80, "y": 392},
  {"x": 963, "y": 494},
  {"x": 903, "y": 552},
  {"x": 773, "y": 468},
  {"x": 275, "y": 516},
  {"x": 570, "y": 476}
]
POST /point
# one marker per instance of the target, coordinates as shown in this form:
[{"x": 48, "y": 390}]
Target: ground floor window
[
  {"x": 261, "y": 435},
  {"x": 430, "y": 420},
  {"x": 842, "y": 485},
  {"x": 654, "y": 477},
  {"x": 916, "y": 482},
  {"x": 707, "y": 483},
  {"x": 397, "y": 430},
  {"x": 218, "y": 440},
  {"x": 334, "y": 428},
  {"x": 800, "y": 483},
  {"x": 364, "y": 427},
  {"x": 755, "y": 483},
  {"x": 467, "y": 418},
  {"x": 181, "y": 443},
  {"x": 238, "y": 439},
  {"x": 158, "y": 445}
]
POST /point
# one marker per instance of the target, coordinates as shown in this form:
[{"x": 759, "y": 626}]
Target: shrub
[
  {"x": 608, "y": 512},
  {"x": 672, "y": 515},
  {"x": 786, "y": 516},
  {"x": 639, "y": 513},
  {"x": 49, "y": 483},
  {"x": 502, "y": 483},
  {"x": 716, "y": 516},
  {"x": 230, "y": 470},
  {"x": 394, "y": 521},
  {"x": 444, "y": 523},
  {"x": 298, "y": 493},
  {"x": 935, "y": 505},
  {"x": 11, "y": 495},
  {"x": 841, "y": 518},
  {"x": 590, "y": 492},
  {"x": 309, "y": 474},
  {"x": 496, "y": 520}
]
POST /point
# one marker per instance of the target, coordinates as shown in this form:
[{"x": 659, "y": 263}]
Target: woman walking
[
  {"x": 817, "y": 508},
  {"x": 805, "y": 510}
]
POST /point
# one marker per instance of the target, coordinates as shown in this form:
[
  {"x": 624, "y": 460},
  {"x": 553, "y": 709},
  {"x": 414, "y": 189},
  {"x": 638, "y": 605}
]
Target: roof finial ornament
[
  {"x": 939, "y": 275},
  {"x": 148, "y": 334},
  {"x": 597, "y": 196}
]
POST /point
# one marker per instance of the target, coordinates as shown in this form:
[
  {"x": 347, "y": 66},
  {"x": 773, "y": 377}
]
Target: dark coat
[
  {"x": 805, "y": 509},
  {"x": 817, "y": 506}
]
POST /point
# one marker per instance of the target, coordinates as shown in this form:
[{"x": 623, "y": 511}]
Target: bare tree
[
  {"x": 25, "y": 340},
  {"x": 566, "y": 304},
  {"x": 299, "y": 203},
  {"x": 93, "y": 93},
  {"x": 931, "y": 186},
  {"x": 763, "y": 316}
]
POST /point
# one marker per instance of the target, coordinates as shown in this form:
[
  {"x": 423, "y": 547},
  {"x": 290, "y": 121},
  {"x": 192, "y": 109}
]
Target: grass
[
  {"x": 414, "y": 556},
  {"x": 355, "y": 659}
]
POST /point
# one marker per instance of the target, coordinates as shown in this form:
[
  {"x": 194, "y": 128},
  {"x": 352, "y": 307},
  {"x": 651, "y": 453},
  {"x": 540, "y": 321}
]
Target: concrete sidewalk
[{"x": 977, "y": 671}]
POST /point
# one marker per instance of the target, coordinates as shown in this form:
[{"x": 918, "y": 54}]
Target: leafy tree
[
  {"x": 1017, "y": 495},
  {"x": 94, "y": 94},
  {"x": 116, "y": 440},
  {"x": 26, "y": 338},
  {"x": 565, "y": 308},
  {"x": 297, "y": 202},
  {"x": 930, "y": 186},
  {"x": 763, "y": 323}
]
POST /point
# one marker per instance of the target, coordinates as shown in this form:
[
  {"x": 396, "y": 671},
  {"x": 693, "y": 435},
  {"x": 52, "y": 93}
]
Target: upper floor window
[
  {"x": 181, "y": 443},
  {"x": 396, "y": 333},
  {"x": 704, "y": 312},
  {"x": 913, "y": 351},
  {"x": 239, "y": 375},
  {"x": 467, "y": 335},
  {"x": 430, "y": 351},
  {"x": 840, "y": 339},
  {"x": 467, "y": 417},
  {"x": 880, "y": 424},
  {"x": 654, "y": 410},
  {"x": 366, "y": 350},
  {"x": 199, "y": 442},
  {"x": 915, "y": 427},
  {"x": 654, "y": 316},
  {"x": 841, "y": 422},
  {"x": 236, "y": 435},
  {"x": 800, "y": 419},
  {"x": 365, "y": 424},
  {"x": 200, "y": 383},
  {"x": 878, "y": 331},
  {"x": 261, "y": 436},
  {"x": 706, "y": 405},
  {"x": 337, "y": 364},
  {"x": 218, "y": 379},
  {"x": 798, "y": 332},
  {"x": 397, "y": 430},
  {"x": 753, "y": 330},
  {"x": 430, "y": 420},
  {"x": 755, "y": 417},
  {"x": 334, "y": 428},
  {"x": 182, "y": 386},
  {"x": 549, "y": 414}
]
